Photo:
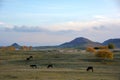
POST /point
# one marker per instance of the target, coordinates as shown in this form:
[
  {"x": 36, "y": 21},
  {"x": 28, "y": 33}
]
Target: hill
[
  {"x": 16, "y": 45},
  {"x": 80, "y": 42},
  {"x": 116, "y": 42}
]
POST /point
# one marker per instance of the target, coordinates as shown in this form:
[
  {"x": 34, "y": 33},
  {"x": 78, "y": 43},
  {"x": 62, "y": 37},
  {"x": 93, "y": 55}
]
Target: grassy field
[{"x": 67, "y": 66}]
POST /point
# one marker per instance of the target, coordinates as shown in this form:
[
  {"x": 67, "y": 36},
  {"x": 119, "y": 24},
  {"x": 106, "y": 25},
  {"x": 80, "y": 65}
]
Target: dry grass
[{"x": 66, "y": 66}]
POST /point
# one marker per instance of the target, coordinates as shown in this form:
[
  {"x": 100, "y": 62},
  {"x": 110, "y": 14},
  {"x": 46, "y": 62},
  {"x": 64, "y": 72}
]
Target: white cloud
[
  {"x": 1, "y": 23},
  {"x": 5, "y": 25},
  {"x": 99, "y": 17},
  {"x": 78, "y": 26},
  {"x": 96, "y": 30},
  {"x": 99, "y": 23}
]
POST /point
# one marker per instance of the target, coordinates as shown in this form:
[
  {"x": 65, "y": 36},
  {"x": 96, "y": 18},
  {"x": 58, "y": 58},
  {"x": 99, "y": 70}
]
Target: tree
[
  {"x": 105, "y": 54},
  {"x": 24, "y": 48},
  {"x": 3, "y": 48},
  {"x": 90, "y": 49},
  {"x": 111, "y": 46},
  {"x": 30, "y": 47},
  {"x": 11, "y": 48}
]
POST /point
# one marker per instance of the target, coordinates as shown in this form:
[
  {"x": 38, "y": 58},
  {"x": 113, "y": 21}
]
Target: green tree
[{"x": 111, "y": 46}]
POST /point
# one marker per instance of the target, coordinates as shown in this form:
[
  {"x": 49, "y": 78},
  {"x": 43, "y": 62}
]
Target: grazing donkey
[
  {"x": 29, "y": 58},
  {"x": 90, "y": 68},
  {"x": 50, "y": 66},
  {"x": 33, "y": 66}
]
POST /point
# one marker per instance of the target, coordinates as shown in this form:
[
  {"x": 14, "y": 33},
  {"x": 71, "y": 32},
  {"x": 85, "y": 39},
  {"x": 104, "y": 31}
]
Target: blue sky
[
  {"x": 37, "y": 12},
  {"x": 52, "y": 22}
]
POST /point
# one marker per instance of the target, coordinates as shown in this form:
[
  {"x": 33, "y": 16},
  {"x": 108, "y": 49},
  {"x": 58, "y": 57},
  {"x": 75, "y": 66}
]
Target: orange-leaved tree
[
  {"x": 26, "y": 48},
  {"x": 90, "y": 49},
  {"x": 104, "y": 54},
  {"x": 103, "y": 47},
  {"x": 30, "y": 47},
  {"x": 11, "y": 48}
]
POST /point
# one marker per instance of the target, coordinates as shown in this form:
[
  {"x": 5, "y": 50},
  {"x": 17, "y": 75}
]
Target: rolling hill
[
  {"x": 80, "y": 42},
  {"x": 116, "y": 42},
  {"x": 16, "y": 45}
]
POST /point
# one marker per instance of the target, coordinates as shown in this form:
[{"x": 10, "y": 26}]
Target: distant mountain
[
  {"x": 116, "y": 42},
  {"x": 80, "y": 42},
  {"x": 16, "y": 45}
]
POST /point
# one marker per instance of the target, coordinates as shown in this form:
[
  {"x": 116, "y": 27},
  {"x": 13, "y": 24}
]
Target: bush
[
  {"x": 103, "y": 47},
  {"x": 91, "y": 49},
  {"x": 105, "y": 54},
  {"x": 111, "y": 46}
]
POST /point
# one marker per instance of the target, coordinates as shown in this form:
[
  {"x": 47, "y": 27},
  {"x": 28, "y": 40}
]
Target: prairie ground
[{"x": 66, "y": 66}]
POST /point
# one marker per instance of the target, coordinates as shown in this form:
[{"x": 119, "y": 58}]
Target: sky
[{"x": 53, "y": 22}]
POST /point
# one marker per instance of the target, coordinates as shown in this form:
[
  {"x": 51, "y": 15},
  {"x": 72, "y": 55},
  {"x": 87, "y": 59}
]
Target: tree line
[
  {"x": 12, "y": 48},
  {"x": 103, "y": 52}
]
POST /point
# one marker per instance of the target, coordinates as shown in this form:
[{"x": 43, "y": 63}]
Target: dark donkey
[
  {"x": 90, "y": 68},
  {"x": 33, "y": 66},
  {"x": 50, "y": 66},
  {"x": 30, "y": 57}
]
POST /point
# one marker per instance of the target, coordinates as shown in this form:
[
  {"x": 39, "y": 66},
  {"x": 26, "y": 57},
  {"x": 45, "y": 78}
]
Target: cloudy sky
[{"x": 52, "y": 22}]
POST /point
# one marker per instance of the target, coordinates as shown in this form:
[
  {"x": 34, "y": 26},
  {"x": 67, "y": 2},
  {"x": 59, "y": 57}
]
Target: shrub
[
  {"x": 91, "y": 49},
  {"x": 103, "y": 47},
  {"x": 111, "y": 46},
  {"x": 105, "y": 54}
]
